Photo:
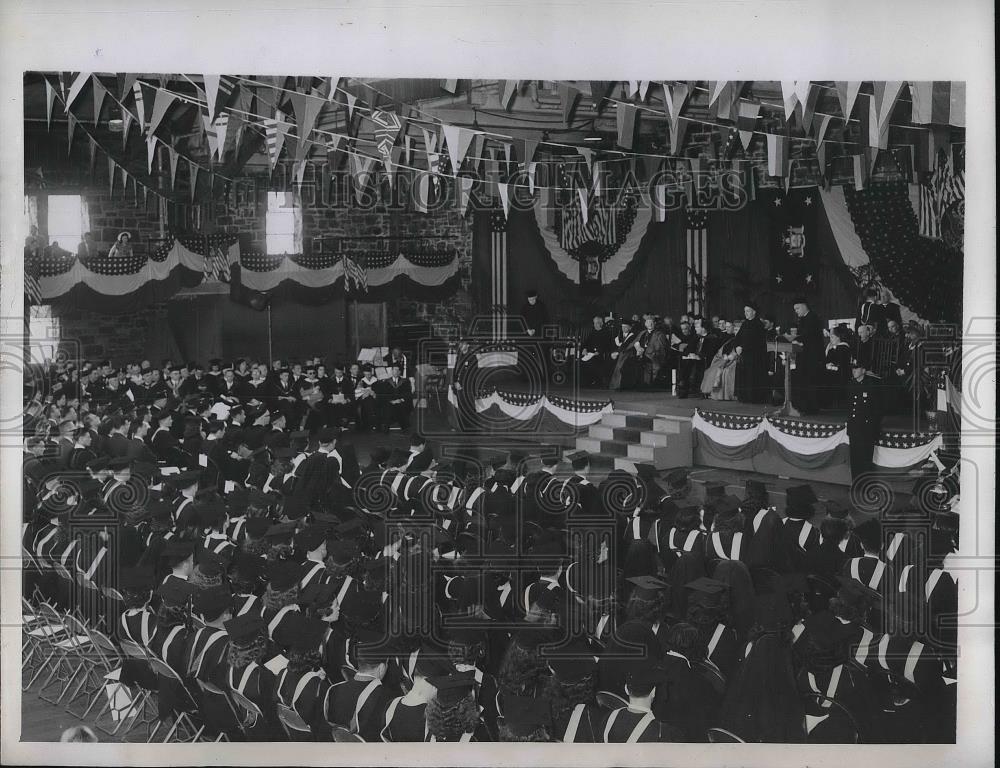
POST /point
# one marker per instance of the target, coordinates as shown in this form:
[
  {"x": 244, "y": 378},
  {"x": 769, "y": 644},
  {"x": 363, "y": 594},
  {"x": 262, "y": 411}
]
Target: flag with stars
[{"x": 793, "y": 233}]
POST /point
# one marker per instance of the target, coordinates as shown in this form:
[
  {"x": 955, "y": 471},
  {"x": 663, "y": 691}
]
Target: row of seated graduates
[{"x": 473, "y": 516}]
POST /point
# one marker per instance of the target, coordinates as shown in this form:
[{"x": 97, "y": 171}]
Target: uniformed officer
[{"x": 865, "y": 419}]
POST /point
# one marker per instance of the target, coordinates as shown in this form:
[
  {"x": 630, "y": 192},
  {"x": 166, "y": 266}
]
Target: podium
[{"x": 789, "y": 349}]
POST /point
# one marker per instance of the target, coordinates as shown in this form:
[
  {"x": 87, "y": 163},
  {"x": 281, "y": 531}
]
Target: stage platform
[{"x": 622, "y": 429}]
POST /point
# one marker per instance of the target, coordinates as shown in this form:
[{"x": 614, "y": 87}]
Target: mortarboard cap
[
  {"x": 175, "y": 591},
  {"x": 212, "y": 602},
  {"x": 310, "y": 538},
  {"x": 98, "y": 463},
  {"x": 280, "y": 533},
  {"x": 319, "y": 592},
  {"x": 178, "y": 551},
  {"x": 282, "y": 575},
  {"x": 453, "y": 688},
  {"x": 647, "y": 471},
  {"x": 256, "y": 527},
  {"x": 647, "y": 587},
  {"x": 574, "y": 662},
  {"x": 342, "y": 551}
]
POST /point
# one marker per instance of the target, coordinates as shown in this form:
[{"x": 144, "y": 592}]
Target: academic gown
[{"x": 751, "y": 368}]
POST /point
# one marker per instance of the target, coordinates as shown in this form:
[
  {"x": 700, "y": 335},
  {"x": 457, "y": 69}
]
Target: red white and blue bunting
[
  {"x": 744, "y": 436},
  {"x": 522, "y": 406}
]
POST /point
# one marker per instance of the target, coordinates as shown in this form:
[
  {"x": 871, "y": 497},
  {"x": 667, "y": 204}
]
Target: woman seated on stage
[
  {"x": 719, "y": 382},
  {"x": 628, "y": 357}
]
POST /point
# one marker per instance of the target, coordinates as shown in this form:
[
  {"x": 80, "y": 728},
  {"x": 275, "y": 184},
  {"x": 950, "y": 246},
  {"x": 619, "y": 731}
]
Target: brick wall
[
  {"x": 328, "y": 213},
  {"x": 86, "y": 335}
]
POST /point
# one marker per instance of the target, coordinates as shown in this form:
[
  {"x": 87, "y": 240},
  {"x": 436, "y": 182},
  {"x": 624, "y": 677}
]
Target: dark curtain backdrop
[{"x": 739, "y": 268}]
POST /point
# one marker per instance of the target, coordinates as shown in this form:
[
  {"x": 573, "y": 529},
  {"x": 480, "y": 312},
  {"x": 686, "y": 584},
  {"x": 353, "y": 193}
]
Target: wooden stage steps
[{"x": 624, "y": 438}]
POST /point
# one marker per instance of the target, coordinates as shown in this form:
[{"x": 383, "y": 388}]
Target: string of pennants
[{"x": 933, "y": 103}]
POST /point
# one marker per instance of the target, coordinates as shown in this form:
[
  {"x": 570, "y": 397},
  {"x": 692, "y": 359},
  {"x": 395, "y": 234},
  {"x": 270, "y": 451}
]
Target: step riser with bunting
[{"x": 623, "y": 439}]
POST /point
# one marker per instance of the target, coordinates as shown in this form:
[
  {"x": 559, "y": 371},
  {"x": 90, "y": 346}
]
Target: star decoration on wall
[
  {"x": 808, "y": 200},
  {"x": 777, "y": 202},
  {"x": 809, "y": 278}
]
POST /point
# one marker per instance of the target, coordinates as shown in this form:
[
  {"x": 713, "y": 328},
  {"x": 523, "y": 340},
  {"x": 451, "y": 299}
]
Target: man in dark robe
[
  {"x": 595, "y": 354},
  {"x": 463, "y": 386},
  {"x": 751, "y": 369},
  {"x": 628, "y": 370},
  {"x": 535, "y": 314},
  {"x": 810, "y": 359}
]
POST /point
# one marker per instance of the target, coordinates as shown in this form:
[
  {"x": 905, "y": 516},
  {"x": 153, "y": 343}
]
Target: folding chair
[
  {"x": 291, "y": 721},
  {"x": 105, "y": 658},
  {"x": 610, "y": 700},
  {"x": 142, "y": 699},
  {"x": 208, "y": 690},
  {"x": 31, "y": 644},
  {"x": 77, "y": 658},
  {"x": 710, "y": 673},
  {"x": 722, "y": 736},
  {"x": 341, "y": 734},
  {"x": 833, "y": 709},
  {"x": 252, "y": 714},
  {"x": 182, "y": 713},
  {"x": 52, "y": 632}
]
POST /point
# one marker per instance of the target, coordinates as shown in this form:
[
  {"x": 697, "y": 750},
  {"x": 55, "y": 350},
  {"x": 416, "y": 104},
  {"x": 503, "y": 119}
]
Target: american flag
[
  {"x": 806, "y": 428},
  {"x": 600, "y": 226},
  {"x": 729, "y": 420},
  {"x": 695, "y": 223},
  {"x": 355, "y": 275},
  {"x": 905, "y": 439},
  {"x": 498, "y": 269},
  {"x": 217, "y": 265},
  {"x": 937, "y": 193},
  {"x": 32, "y": 290}
]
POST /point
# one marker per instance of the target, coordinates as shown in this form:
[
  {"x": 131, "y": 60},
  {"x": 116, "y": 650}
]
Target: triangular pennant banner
[
  {"x": 530, "y": 146},
  {"x": 789, "y": 97},
  {"x": 458, "y": 141},
  {"x": 351, "y": 99},
  {"x": 569, "y": 96},
  {"x": 745, "y": 122},
  {"x": 161, "y": 103},
  {"x": 408, "y": 150},
  {"x": 676, "y": 96},
  {"x": 715, "y": 89},
  {"x": 430, "y": 139},
  {"x": 140, "y": 107},
  {"x": 626, "y": 124},
  {"x": 210, "y": 134},
  {"x": 678, "y": 130},
  {"x": 74, "y": 91},
  {"x": 150, "y": 152},
  {"x": 597, "y": 174},
  {"x": 194, "y": 179},
  {"x": 886, "y": 95},
  {"x": 821, "y": 128},
  {"x": 847, "y": 94},
  {"x": 387, "y": 125},
  {"x": 212, "y": 94},
  {"x": 93, "y": 156},
  {"x": 809, "y": 106},
  {"x": 307, "y": 109},
  {"x": 632, "y": 88},
  {"x": 507, "y": 97},
  {"x": 71, "y": 120},
  {"x": 127, "y": 118},
  {"x": 464, "y": 193},
  {"x": 332, "y": 93},
  {"x": 173, "y": 157},
  {"x": 531, "y": 177},
  {"x": 588, "y": 155},
  {"x": 50, "y": 97},
  {"x": 111, "y": 175},
  {"x": 504, "y": 191},
  {"x": 450, "y": 85},
  {"x": 643, "y": 89},
  {"x": 99, "y": 93},
  {"x": 125, "y": 83}
]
